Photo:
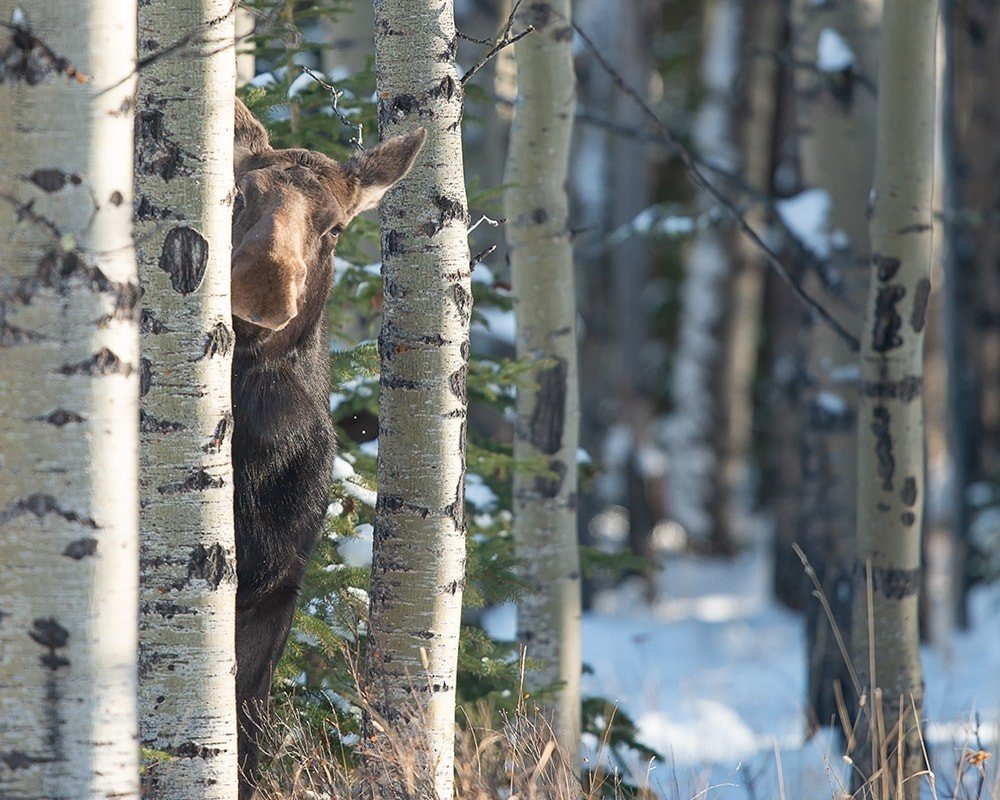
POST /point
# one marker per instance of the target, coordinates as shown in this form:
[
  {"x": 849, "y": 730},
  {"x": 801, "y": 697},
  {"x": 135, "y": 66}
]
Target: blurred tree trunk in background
[
  {"x": 548, "y": 408},
  {"x": 890, "y": 418},
  {"x": 973, "y": 302},
  {"x": 757, "y": 95},
  {"x": 977, "y": 121},
  {"x": 246, "y": 62},
  {"x": 349, "y": 37},
  {"x": 188, "y": 583},
  {"x": 69, "y": 391},
  {"x": 701, "y": 350},
  {"x": 835, "y": 108},
  {"x": 419, "y": 549}
]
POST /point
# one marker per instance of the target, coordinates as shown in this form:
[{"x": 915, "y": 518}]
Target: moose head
[{"x": 289, "y": 209}]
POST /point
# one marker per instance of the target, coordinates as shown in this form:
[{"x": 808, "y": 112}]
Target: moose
[{"x": 289, "y": 208}]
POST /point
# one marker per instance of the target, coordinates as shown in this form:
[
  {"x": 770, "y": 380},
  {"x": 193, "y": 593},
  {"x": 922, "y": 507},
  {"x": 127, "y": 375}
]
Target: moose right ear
[{"x": 249, "y": 136}]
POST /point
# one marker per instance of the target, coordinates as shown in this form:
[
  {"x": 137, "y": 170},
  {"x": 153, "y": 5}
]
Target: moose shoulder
[{"x": 289, "y": 208}]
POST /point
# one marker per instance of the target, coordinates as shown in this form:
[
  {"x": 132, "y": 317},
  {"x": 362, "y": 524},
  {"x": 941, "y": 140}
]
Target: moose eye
[{"x": 336, "y": 230}]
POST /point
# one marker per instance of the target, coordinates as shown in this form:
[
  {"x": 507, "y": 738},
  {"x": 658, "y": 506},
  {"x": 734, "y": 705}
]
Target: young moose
[{"x": 290, "y": 207}]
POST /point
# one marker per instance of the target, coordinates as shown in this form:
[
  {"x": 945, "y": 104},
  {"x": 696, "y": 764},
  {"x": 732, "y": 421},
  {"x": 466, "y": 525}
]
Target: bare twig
[
  {"x": 699, "y": 179},
  {"x": 335, "y": 95},
  {"x": 506, "y": 39}
]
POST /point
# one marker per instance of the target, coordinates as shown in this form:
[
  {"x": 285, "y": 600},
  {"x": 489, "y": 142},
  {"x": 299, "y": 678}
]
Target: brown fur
[{"x": 288, "y": 201}]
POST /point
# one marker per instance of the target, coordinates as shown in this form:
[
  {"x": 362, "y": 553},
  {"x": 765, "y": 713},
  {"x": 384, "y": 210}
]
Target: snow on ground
[{"x": 714, "y": 677}]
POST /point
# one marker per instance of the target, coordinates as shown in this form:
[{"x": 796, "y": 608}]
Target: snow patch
[
  {"x": 833, "y": 53},
  {"x": 477, "y": 494},
  {"x": 807, "y": 216}
]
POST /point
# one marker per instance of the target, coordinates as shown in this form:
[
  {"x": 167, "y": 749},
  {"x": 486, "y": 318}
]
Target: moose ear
[
  {"x": 249, "y": 136},
  {"x": 380, "y": 169}
]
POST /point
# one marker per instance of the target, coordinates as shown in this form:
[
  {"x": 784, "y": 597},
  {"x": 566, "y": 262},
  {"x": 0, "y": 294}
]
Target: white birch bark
[
  {"x": 691, "y": 427},
  {"x": 69, "y": 381},
  {"x": 548, "y": 411},
  {"x": 184, "y": 184},
  {"x": 890, "y": 419},
  {"x": 835, "y": 112},
  {"x": 419, "y": 551}
]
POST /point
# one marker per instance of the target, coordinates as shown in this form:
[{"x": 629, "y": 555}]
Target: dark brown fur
[{"x": 290, "y": 207}]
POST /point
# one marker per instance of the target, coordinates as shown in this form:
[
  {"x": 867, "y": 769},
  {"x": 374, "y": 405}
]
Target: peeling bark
[{"x": 69, "y": 381}]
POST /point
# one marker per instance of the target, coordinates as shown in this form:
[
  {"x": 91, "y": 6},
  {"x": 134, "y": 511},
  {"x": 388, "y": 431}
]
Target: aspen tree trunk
[
  {"x": 691, "y": 428},
  {"x": 764, "y": 29},
  {"x": 835, "y": 109},
  {"x": 246, "y": 61},
  {"x": 890, "y": 419},
  {"x": 548, "y": 412},
  {"x": 69, "y": 390},
  {"x": 418, "y": 567},
  {"x": 184, "y": 190}
]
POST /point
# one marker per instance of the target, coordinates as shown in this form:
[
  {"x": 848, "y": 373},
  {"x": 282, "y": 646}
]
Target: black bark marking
[
  {"x": 18, "y": 759},
  {"x": 885, "y": 334},
  {"x": 146, "y": 210},
  {"x": 27, "y": 58},
  {"x": 905, "y": 390},
  {"x": 61, "y": 417},
  {"x": 458, "y": 382},
  {"x": 117, "y": 198},
  {"x": 883, "y": 446},
  {"x": 886, "y": 266},
  {"x": 548, "y": 486},
  {"x": 894, "y": 584},
  {"x": 67, "y": 271},
  {"x": 53, "y": 637},
  {"x": 919, "y": 227},
  {"x": 165, "y": 609},
  {"x": 52, "y": 180},
  {"x": 463, "y": 301},
  {"x": 908, "y": 518},
  {"x": 392, "y": 244},
  {"x": 184, "y": 258},
  {"x": 920, "y": 299},
  {"x": 219, "y": 341},
  {"x": 909, "y": 491},
  {"x": 81, "y": 548},
  {"x": 150, "y": 323},
  {"x": 103, "y": 362},
  {"x": 145, "y": 376},
  {"x": 221, "y": 435},
  {"x": 210, "y": 565},
  {"x": 190, "y": 750},
  {"x": 40, "y": 505},
  {"x": 198, "y": 481},
  {"x": 396, "y": 382},
  {"x": 155, "y": 152},
  {"x": 545, "y": 430},
  {"x": 150, "y": 424}
]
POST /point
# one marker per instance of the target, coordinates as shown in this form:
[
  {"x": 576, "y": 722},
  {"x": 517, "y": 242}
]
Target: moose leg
[{"x": 261, "y": 631}]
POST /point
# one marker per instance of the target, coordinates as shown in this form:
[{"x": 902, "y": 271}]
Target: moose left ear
[{"x": 380, "y": 169}]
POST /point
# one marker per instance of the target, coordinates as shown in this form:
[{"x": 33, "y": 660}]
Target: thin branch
[
  {"x": 699, "y": 179},
  {"x": 504, "y": 40},
  {"x": 335, "y": 95}
]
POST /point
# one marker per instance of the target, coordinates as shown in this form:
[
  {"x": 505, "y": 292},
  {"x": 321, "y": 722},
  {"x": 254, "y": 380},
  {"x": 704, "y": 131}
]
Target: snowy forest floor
[{"x": 714, "y": 673}]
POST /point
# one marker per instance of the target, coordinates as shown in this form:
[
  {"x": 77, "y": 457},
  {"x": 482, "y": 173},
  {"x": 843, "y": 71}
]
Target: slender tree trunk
[
  {"x": 246, "y": 61},
  {"x": 835, "y": 108},
  {"x": 419, "y": 553},
  {"x": 541, "y": 259},
  {"x": 184, "y": 185},
  {"x": 890, "y": 420},
  {"x": 694, "y": 459},
  {"x": 69, "y": 390},
  {"x": 764, "y": 32}
]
